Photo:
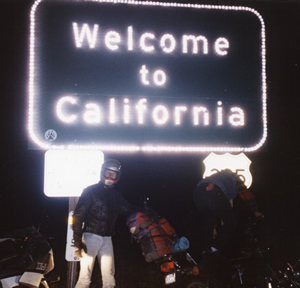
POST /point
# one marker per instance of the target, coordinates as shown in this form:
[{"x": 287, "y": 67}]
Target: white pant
[{"x": 102, "y": 248}]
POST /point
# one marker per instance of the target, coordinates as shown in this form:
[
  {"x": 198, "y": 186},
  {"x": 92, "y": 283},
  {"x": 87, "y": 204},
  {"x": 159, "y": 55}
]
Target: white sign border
[{"x": 45, "y": 145}]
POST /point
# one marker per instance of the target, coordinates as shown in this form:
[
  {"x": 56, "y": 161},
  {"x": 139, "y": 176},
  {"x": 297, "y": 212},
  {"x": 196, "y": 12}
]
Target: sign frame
[{"x": 48, "y": 141}]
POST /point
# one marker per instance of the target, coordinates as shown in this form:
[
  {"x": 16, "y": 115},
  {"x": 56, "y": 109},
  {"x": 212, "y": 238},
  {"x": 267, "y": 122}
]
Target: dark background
[{"x": 167, "y": 179}]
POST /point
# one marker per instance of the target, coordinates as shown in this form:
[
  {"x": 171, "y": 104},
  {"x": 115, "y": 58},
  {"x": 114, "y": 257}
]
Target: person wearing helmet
[
  {"x": 110, "y": 172},
  {"x": 94, "y": 222}
]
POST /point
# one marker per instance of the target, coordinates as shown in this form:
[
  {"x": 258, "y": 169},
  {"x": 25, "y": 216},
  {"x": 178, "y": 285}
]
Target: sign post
[
  {"x": 73, "y": 268},
  {"x": 239, "y": 164},
  {"x": 66, "y": 174}
]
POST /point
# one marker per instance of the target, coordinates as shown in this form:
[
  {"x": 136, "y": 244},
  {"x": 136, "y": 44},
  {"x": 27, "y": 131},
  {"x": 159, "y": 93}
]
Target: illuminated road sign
[
  {"x": 67, "y": 173},
  {"x": 146, "y": 76},
  {"x": 239, "y": 164}
]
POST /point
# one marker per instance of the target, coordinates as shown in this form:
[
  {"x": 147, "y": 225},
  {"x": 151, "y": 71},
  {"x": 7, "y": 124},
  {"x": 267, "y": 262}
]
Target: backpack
[{"x": 156, "y": 239}]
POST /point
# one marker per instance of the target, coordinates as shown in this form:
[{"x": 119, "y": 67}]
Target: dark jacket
[
  {"x": 98, "y": 208},
  {"x": 231, "y": 185},
  {"x": 226, "y": 180}
]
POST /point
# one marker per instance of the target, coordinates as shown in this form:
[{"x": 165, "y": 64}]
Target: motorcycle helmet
[{"x": 110, "y": 172}]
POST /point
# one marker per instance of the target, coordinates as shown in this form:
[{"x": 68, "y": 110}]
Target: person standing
[
  {"x": 94, "y": 222},
  {"x": 213, "y": 197}
]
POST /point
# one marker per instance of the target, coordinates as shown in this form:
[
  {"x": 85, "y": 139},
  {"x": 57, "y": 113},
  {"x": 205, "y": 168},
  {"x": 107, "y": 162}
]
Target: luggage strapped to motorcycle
[
  {"x": 159, "y": 228},
  {"x": 156, "y": 239}
]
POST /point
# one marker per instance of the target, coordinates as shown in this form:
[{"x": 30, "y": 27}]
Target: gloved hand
[{"x": 79, "y": 246}]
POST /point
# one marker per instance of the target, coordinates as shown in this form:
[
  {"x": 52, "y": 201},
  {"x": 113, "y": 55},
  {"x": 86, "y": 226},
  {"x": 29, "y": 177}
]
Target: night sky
[{"x": 167, "y": 179}]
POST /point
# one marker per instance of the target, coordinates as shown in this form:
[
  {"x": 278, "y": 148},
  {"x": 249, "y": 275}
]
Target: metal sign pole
[
  {"x": 73, "y": 267},
  {"x": 72, "y": 274}
]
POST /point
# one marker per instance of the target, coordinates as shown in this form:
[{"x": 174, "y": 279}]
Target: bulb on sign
[
  {"x": 221, "y": 46},
  {"x": 219, "y": 114},
  {"x": 197, "y": 112},
  {"x": 141, "y": 107},
  {"x": 112, "y": 112},
  {"x": 85, "y": 33},
  {"x": 126, "y": 111},
  {"x": 144, "y": 42},
  {"x": 168, "y": 43},
  {"x": 92, "y": 114},
  {"x": 61, "y": 107},
  {"x": 112, "y": 39},
  {"x": 237, "y": 118},
  {"x": 160, "y": 115},
  {"x": 186, "y": 39},
  {"x": 179, "y": 111}
]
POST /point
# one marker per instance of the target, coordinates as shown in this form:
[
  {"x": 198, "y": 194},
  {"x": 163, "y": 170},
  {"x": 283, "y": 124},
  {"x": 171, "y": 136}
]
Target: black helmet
[{"x": 111, "y": 165}]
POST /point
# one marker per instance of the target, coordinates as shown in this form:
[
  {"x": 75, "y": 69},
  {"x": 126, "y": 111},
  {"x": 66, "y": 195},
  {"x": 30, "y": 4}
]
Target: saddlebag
[{"x": 156, "y": 239}]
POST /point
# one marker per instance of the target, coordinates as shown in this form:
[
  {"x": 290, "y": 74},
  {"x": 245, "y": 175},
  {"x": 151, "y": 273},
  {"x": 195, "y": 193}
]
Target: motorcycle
[
  {"x": 26, "y": 259},
  {"x": 174, "y": 266},
  {"x": 287, "y": 276},
  {"x": 161, "y": 245},
  {"x": 252, "y": 266}
]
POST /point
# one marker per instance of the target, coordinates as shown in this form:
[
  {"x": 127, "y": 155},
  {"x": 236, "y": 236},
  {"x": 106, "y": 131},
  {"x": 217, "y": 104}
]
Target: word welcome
[
  {"x": 70, "y": 110},
  {"x": 86, "y": 36}
]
